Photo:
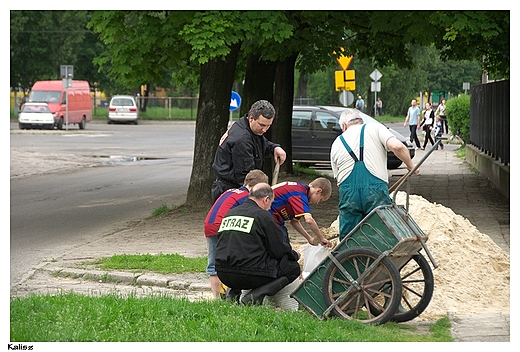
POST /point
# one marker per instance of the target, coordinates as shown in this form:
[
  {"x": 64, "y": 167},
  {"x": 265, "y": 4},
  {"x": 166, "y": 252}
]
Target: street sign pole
[
  {"x": 67, "y": 73},
  {"x": 376, "y": 86}
]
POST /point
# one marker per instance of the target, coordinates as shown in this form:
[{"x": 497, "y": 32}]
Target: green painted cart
[{"x": 377, "y": 272}]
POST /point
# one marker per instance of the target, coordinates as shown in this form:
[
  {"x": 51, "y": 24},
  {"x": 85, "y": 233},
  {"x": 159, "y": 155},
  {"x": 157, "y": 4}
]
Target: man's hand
[
  {"x": 323, "y": 241},
  {"x": 279, "y": 155}
]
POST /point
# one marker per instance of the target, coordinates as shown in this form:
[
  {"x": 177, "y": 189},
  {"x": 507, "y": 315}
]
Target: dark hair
[
  {"x": 261, "y": 190},
  {"x": 262, "y": 107}
]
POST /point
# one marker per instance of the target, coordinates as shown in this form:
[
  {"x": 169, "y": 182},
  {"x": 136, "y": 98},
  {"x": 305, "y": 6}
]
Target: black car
[{"x": 314, "y": 128}]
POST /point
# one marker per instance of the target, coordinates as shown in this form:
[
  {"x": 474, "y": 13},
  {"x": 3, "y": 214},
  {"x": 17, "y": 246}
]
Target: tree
[
  {"x": 142, "y": 46},
  {"x": 41, "y": 41}
]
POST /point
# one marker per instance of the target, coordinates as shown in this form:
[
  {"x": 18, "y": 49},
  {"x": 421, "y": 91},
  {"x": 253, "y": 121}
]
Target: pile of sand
[{"x": 473, "y": 273}]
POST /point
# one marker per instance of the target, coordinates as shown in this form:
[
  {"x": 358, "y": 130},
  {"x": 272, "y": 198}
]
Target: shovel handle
[{"x": 275, "y": 173}]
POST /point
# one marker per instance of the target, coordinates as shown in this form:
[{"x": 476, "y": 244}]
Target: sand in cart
[{"x": 473, "y": 273}]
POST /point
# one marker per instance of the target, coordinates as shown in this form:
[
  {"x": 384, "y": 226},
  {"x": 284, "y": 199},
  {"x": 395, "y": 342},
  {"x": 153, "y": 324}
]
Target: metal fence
[{"x": 489, "y": 120}]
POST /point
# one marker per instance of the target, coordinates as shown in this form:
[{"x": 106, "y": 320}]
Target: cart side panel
[{"x": 385, "y": 228}]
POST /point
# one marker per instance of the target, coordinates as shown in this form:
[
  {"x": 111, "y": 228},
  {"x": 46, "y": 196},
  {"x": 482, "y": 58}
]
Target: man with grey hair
[
  {"x": 358, "y": 159},
  {"x": 244, "y": 148},
  {"x": 251, "y": 252}
]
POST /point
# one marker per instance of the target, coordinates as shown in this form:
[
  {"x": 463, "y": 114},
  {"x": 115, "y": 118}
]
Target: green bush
[{"x": 457, "y": 112}]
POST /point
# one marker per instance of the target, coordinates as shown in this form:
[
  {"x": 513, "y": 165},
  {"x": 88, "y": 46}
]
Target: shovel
[{"x": 275, "y": 173}]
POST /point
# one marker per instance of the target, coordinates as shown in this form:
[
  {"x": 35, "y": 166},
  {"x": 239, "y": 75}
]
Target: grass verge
[
  {"x": 70, "y": 317},
  {"x": 161, "y": 263}
]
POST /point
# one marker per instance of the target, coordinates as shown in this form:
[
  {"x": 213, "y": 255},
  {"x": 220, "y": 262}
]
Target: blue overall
[{"x": 360, "y": 192}]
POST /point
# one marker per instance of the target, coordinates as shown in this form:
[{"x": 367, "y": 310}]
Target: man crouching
[{"x": 251, "y": 252}]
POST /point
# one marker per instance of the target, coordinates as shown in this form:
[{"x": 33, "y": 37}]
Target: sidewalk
[{"x": 448, "y": 180}]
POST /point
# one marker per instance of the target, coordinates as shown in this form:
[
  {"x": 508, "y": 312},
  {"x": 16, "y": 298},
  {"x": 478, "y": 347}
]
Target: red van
[{"x": 79, "y": 110}]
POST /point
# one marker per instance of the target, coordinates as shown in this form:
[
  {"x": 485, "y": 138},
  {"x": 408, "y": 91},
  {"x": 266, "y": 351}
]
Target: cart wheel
[
  {"x": 417, "y": 280},
  {"x": 380, "y": 290}
]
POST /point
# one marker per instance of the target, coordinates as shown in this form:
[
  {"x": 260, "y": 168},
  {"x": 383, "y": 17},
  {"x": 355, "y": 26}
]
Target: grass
[
  {"x": 160, "y": 210},
  {"x": 161, "y": 263},
  {"x": 70, "y": 317}
]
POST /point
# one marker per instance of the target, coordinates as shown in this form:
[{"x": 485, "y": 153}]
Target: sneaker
[
  {"x": 233, "y": 294},
  {"x": 416, "y": 148},
  {"x": 422, "y": 148}
]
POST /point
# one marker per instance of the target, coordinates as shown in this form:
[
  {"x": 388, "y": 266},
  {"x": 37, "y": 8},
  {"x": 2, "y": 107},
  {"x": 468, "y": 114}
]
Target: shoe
[
  {"x": 416, "y": 148},
  {"x": 422, "y": 148},
  {"x": 256, "y": 296},
  {"x": 442, "y": 147},
  {"x": 233, "y": 294}
]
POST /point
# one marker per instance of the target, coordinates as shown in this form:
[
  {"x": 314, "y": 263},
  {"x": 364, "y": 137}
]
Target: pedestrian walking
[
  {"x": 379, "y": 107},
  {"x": 412, "y": 119},
  {"x": 360, "y": 104},
  {"x": 437, "y": 131},
  {"x": 441, "y": 111},
  {"x": 427, "y": 125}
]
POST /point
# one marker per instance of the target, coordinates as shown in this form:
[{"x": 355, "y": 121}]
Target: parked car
[
  {"x": 35, "y": 115},
  {"x": 71, "y": 105},
  {"x": 314, "y": 128},
  {"x": 123, "y": 108}
]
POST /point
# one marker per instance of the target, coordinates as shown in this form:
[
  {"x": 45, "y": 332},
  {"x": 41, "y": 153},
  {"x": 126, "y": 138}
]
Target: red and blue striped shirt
[{"x": 227, "y": 200}]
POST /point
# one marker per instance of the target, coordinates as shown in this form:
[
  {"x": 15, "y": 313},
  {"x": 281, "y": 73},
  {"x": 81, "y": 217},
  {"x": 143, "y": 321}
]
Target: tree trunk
[
  {"x": 258, "y": 82},
  {"x": 216, "y": 81},
  {"x": 283, "y": 101},
  {"x": 259, "y": 85}
]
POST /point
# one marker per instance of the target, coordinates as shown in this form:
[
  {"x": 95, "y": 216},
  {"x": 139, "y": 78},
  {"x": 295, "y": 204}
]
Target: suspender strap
[
  {"x": 361, "y": 145},
  {"x": 348, "y": 148}
]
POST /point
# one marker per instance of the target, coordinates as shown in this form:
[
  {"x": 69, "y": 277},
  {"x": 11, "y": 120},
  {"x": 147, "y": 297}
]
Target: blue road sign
[{"x": 235, "y": 101}]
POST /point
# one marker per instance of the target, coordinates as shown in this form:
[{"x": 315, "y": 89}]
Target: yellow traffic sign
[
  {"x": 345, "y": 80},
  {"x": 344, "y": 61}
]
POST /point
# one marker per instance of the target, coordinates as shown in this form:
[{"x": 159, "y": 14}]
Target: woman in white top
[{"x": 427, "y": 125}]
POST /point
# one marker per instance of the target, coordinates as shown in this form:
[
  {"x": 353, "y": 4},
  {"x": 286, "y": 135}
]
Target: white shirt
[{"x": 374, "y": 154}]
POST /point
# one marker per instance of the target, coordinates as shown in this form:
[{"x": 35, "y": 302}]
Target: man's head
[
  {"x": 261, "y": 116},
  {"x": 255, "y": 177},
  {"x": 263, "y": 195},
  {"x": 350, "y": 117},
  {"x": 414, "y": 102},
  {"x": 320, "y": 190}
]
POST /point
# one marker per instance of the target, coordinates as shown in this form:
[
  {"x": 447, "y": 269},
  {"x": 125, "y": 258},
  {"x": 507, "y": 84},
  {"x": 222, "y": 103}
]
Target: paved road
[{"x": 52, "y": 208}]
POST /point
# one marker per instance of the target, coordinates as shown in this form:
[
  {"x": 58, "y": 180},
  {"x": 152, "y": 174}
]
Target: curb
[{"x": 188, "y": 282}]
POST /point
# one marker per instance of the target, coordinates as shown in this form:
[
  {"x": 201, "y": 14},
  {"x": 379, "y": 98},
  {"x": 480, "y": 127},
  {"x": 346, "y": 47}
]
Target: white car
[
  {"x": 123, "y": 108},
  {"x": 35, "y": 115}
]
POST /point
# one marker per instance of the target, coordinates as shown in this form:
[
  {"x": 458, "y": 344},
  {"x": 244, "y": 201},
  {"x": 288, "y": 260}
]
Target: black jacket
[
  {"x": 239, "y": 152},
  {"x": 249, "y": 242}
]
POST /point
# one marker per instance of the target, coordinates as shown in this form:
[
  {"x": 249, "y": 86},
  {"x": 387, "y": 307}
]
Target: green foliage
[
  {"x": 458, "y": 113},
  {"x": 398, "y": 85},
  {"x": 70, "y": 317},
  {"x": 41, "y": 41},
  {"x": 161, "y": 263},
  {"x": 161, "y": 210}
]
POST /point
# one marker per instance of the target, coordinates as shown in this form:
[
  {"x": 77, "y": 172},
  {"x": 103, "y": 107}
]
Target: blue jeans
[{"x": 212, "y": 250}]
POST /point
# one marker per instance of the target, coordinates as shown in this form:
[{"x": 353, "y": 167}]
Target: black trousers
[
  {"x": 413, "y": 136},
  {"x": 286, "y": 267},
  {"x": 427, "y": 136},
  {"x": 444, "y": 124}
]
